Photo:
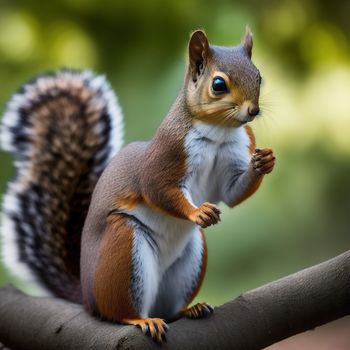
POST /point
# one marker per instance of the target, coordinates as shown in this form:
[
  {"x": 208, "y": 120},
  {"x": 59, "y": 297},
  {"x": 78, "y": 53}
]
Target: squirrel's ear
[
  {"x": 198, "y": 53},
  {"x": 247, "y": 41}
]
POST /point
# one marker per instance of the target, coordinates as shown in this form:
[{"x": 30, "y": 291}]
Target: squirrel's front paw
[
  {"x": 263, "y": 161},
  {"x": 207, "y": 214}
]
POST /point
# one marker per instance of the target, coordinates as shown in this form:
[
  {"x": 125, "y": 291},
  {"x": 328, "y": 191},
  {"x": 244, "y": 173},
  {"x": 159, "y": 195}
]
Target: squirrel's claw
[
  {"x": 263, "y": 161},
  {"x": 207, "y": 214},
  {"x": 155, "y": 327},
  {"x": 200, "y": 310}
]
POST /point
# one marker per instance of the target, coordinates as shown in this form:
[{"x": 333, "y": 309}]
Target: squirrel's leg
[
  {"x": 242, "y": 186},
  {"x": 126, "y": 278},
  {"x": 182, "y": 281},
  {"x": 202, "y": 309}
]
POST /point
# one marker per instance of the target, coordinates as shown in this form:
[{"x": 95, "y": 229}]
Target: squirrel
[{"x": 120, "y": 230}]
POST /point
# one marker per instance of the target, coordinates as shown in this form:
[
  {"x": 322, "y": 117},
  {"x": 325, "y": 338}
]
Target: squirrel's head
[{"x": 222, "y": 83}]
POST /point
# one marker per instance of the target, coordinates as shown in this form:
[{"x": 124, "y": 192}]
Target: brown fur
[
  {"x": 241, "y": 76},
  {"x": 49, "y": 125},
  {"x": 251, "y": 136},
  {"x": 113, "y": 271},
  {"x": 149, "y": 173},
  {"x": 163, "y": 166},
  {"x": 62, "y": 114}
]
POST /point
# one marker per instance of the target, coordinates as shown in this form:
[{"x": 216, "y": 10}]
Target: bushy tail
[{"x": 62, "y": 129}]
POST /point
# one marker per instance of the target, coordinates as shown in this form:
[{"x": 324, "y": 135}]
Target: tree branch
[{"x": 252, "y": 321}]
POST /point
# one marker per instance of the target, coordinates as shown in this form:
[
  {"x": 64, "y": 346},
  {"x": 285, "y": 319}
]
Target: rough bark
[{"x": 252, "y": 321}]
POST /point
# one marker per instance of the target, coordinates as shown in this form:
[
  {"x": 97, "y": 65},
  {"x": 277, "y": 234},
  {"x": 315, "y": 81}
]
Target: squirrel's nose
[{"x": 253, "y": 110}]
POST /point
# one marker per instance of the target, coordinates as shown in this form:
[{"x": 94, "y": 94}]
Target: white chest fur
[
  {"x": 214, "y": 155},
  {"x": 170, "y": 234}
]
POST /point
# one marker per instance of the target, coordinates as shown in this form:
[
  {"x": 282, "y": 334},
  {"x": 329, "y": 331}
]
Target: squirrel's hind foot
[
  {"x": 200, "y": 310},
  {"x": 155, "y": 327}
]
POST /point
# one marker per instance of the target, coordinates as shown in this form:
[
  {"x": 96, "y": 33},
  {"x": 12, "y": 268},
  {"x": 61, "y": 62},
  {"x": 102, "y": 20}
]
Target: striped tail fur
[{"x": 62, "y": 129}]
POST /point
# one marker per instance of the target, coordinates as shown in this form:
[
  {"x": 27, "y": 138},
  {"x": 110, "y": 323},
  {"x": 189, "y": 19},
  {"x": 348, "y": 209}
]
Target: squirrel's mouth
[{"x": 224, "y": 115}]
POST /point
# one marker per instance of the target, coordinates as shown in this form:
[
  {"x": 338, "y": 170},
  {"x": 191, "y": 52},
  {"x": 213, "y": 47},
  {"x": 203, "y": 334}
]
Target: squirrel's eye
[{"x": 219, "y": 86}]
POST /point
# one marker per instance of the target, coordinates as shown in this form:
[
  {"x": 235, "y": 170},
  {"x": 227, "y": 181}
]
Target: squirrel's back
[{"x": 62, "y": 129}]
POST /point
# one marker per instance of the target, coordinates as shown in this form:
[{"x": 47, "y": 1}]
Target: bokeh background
[{"x": 300, "y": 216}]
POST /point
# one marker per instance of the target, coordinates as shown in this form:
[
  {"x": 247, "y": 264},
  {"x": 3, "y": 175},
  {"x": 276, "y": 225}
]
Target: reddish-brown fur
[
  {"x": 163, "y": 166},
  {"x": 113, "y": 272},
  {"x": 149, "y": 173},
  {"x": 251, "y": 136}
]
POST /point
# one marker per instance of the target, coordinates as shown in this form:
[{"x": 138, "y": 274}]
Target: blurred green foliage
[{"x": 300, "y": 216}]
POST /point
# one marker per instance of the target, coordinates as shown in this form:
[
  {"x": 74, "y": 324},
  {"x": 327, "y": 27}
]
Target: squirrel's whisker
[{"x": 139, "y": 212}]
